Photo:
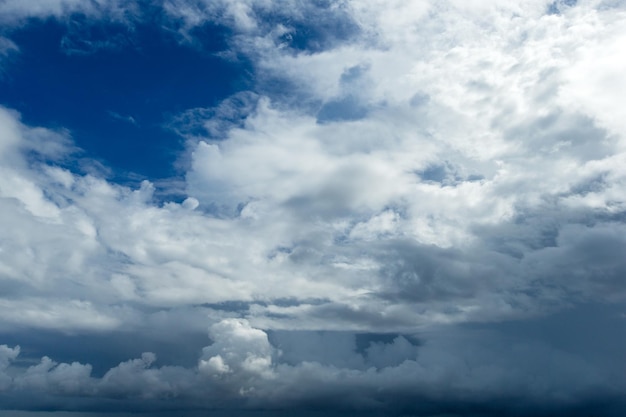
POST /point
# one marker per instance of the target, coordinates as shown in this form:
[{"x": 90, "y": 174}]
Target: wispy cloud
[{"x": 127, "y": 119}]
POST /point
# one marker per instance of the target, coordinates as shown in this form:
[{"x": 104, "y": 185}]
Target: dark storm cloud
[{"x": 511, "y": 370}]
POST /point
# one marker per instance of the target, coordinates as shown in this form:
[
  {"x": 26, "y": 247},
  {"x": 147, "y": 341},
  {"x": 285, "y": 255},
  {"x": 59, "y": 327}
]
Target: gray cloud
[{"x": 482, "y": 369}]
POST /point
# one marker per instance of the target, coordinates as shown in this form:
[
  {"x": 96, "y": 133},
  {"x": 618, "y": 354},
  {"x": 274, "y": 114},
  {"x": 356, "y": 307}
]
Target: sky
[{"x": 312, "y": 208}]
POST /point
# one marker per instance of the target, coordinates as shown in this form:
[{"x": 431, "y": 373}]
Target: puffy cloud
[
  {"x": 63, "y": 378},
  {"x": 483, "y": 151},
  {"x": 484, "y": 370},
  {"x": 238, "y": 348}
]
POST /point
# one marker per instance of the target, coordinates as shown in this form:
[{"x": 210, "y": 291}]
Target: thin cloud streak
[{"x": 127, "y": 119}]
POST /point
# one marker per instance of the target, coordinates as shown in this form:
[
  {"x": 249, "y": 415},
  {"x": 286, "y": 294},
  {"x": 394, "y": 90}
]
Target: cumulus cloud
[
  {"x": 408, "y": 170},
  {"x": 347, "y": 210},
  {"x": 476, "y": 370},
  {"x": 238, "y": 348}
]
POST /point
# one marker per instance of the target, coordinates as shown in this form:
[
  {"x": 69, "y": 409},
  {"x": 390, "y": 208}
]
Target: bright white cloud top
[{"x": 445, "y": 173}]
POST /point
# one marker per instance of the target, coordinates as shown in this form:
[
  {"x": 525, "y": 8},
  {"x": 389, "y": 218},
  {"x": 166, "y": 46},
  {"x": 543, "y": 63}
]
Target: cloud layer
[{"x": 466, "y": 371}]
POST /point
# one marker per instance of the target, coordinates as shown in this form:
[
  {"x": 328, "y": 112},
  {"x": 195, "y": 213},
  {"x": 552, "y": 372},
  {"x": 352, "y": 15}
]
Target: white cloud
[
  {"x": 593, "y": 83},
  {"x": 238, "y": 349},
  {"x": 464, "y": 135}
]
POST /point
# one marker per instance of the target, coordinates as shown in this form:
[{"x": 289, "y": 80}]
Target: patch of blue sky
[
  {"x": 116, "y": 87},
  {"x": 316, "y": 26},
  {"x": 317, "y": 35},
  {"x": 556, "y": 6}
]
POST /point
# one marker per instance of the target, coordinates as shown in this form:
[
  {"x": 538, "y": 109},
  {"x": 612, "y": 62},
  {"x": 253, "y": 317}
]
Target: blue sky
[
  {"x": 360, "y": 207},
  {"x": 117, "y": 88}
]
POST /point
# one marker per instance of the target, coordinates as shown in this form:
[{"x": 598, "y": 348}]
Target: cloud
[
  {"x": 7, "y": 355},
  {"x": 15, "y": 12},
  {"x": 127, "y": 119},
  {"x": 476, "y": 370},
  {"x": 414, "y": 170},
  {"x": 344, "y": 209},
  {"x": 22, "y": 9},
  {"x": 7, "y": 49},
  {"x": 88, "y": 26}
]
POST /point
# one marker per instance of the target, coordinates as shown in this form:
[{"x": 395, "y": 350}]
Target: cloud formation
[
  {"x": 400, "y": 169},
  {"x": 242, "y": 370}
]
